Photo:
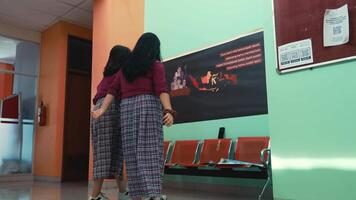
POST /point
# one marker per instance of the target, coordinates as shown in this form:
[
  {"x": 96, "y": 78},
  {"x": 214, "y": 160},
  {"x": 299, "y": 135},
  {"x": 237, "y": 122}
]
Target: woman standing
[
  {"x": 106, "y": 137},
  {"x": 143, "y": 89}
]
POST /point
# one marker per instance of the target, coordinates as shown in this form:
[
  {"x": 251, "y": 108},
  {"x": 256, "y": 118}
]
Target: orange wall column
[
  {"x": 48, "y": 146},
  {"x": 115, "y": 22}
]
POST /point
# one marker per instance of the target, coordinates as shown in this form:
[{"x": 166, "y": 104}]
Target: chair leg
[{"x": 264, "y": 188}]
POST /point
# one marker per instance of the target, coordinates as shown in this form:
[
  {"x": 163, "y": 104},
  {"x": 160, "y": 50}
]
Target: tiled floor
[{"x": 79, "y": 191}]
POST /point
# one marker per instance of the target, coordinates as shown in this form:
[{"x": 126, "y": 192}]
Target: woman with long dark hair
[
  {"x": 106, "y": 137},
  {"x": 145, "y": 107}
]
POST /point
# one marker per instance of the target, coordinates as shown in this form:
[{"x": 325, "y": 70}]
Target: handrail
[
  {"x": 262, "y": 156},
  {"x": 27, "y": 121}
]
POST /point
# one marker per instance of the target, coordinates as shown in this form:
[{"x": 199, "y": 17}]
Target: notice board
[
  {"x": 297, "y": 20},
  {"x": 221, "y": 81}
]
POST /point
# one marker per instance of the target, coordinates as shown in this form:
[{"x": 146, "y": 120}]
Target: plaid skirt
[
  {"x": 142, "y": 135},
  {"x": 106, "y": 141}
]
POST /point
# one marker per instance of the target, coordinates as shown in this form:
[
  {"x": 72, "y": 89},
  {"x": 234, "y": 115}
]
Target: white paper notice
[
  {"x": 336, "y": 26},
  {"x": 295, "y": 54}
]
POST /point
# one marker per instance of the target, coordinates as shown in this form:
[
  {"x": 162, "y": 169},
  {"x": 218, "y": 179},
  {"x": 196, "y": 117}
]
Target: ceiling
[{"x": 38, "y": 15}]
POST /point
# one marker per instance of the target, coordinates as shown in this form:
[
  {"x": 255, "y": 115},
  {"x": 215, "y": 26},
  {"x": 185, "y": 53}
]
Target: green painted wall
[
  {"x": 184, "y": 26},
  {"x": 311, "y": 121}
]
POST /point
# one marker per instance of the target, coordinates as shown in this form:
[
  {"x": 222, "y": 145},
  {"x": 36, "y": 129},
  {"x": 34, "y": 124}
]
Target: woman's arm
[
  {"x": 161, "y": 90},
  {"x": 113, "y": 92},
  {"x": 104, "y": 107},
  {"x": 168, "y": 118},
  {"x": 165, "y": 100}
]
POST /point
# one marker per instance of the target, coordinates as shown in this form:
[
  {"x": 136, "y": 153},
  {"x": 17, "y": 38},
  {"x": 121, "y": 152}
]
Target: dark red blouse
[
  {"x": 103, "y": 87},
  {"x": 154, "y": 82}
]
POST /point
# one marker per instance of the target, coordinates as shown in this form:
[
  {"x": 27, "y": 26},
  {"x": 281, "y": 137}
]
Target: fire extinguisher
[{"x": 41, "y": 114}]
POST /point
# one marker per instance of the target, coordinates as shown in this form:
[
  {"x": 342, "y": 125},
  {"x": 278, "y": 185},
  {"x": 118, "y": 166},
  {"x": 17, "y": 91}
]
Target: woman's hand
[
  {"x": 168, "y": 119},
  {"x": 104, "y": 107},
  {"x": 97, "y": 113}
]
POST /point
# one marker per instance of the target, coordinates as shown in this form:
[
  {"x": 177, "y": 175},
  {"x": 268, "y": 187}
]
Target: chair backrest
[
  {"x": 11, "y": 107},
  {"x": 249, "y": 149},
  {"x": 167, "y": 146},
  {"x": 214, "y": 150},
  {"x": 184, "y": 152}
]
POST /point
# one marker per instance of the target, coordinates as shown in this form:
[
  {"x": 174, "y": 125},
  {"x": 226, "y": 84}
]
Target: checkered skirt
[
  {"x": 106, "y": 141},
  {"x": 142, "y": 135}
]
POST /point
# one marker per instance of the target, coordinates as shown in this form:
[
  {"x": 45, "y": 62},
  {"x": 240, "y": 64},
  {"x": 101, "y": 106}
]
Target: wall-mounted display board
[
  {"x": 221, "y": 81},
  {"x": 311, "y": 33}
]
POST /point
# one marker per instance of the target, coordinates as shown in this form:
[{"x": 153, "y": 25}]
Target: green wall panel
[{"x": 311, "y": 120}]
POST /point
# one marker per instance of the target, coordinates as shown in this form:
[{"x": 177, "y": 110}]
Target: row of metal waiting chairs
[
  {"x": 195, "y": 157},
  {"x": 196, "y": 153}
]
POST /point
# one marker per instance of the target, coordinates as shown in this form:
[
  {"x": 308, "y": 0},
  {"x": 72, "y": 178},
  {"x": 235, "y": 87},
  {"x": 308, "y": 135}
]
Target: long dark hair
[
  {"x": 145, "y": 53},
  {"x": 117, "y": 58}
]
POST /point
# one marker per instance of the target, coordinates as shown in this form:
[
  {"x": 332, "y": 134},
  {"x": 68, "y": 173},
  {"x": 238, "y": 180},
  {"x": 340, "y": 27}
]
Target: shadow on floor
[{"x": 79, "y": 191}]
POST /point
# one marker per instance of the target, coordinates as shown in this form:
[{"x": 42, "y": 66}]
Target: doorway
[{"x": 77, "y": 110}]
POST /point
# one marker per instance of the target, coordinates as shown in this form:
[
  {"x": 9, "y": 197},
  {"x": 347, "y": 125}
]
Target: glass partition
[{"x": 19, "y": 61}]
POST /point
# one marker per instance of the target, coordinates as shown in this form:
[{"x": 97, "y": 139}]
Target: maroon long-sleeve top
[
  {"x": 154, "y": 82},
  {"x": 103, "y": 87}
]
